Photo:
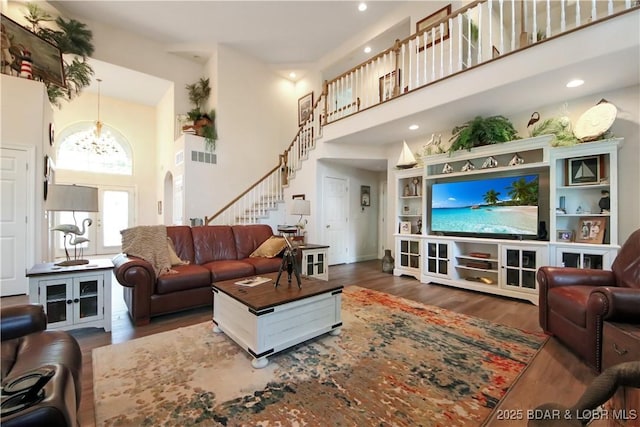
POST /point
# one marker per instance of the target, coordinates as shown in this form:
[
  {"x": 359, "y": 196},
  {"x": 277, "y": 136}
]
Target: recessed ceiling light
[
  {"x": 292, "y": 75},
  {"x": 362, "y": 7},
  {"x": 413, "y": 127},
  {"x": 367, "y": 49},
  {"x": 575, "y": 83}
]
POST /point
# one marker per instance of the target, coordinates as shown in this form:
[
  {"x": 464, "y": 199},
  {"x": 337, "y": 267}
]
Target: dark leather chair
[
  {"x": 28, "y": 349},
  {"x": 575, "y": 302}
]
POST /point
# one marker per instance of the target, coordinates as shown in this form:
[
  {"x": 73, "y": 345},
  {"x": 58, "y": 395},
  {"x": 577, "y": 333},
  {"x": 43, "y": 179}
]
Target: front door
[
  {"x": 335, "y": 219},
  {"x": 13, "y": 222}
]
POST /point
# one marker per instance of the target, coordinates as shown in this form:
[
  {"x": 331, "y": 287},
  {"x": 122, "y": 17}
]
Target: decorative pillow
[
  {"x": 173, "y": 257},
  {"x": 270, "y": 248}
]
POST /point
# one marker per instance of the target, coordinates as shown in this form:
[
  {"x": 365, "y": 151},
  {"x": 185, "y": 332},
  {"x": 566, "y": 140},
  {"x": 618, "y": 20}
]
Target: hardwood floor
[{"x": 555, "y": 375}]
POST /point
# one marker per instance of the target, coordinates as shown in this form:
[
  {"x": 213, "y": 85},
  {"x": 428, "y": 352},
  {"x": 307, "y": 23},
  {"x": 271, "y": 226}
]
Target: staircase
[
  {"x": 415, "y": 63},
  {"x": 266, "y": 195}
]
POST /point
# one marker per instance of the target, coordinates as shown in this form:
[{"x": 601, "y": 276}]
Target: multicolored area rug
[{"x": 397, "y": 362}]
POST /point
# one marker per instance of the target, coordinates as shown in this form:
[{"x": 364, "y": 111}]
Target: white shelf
[
  {"x": 484, "y": 270},
  {"x": 474, "y": 258},
  {"x": 477, "y": 171}
]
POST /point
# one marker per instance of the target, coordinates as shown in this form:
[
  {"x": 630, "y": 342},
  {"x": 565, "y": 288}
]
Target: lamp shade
[
  {"x": 70, "y": 198},
  {"x": 300, "y": 207}
]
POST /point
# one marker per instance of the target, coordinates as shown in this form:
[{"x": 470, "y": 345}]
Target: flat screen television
[{"x": 497, "y": 206}]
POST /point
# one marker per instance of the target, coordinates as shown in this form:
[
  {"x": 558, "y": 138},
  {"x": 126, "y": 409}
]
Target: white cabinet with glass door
[
  {"x": 73, "y": 297},
  {"x": 519, "y": 266}
]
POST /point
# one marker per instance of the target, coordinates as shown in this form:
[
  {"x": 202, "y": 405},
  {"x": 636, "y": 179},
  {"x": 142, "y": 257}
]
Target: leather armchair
[
  {"x": 575, "y": 302},
  {"x": 26, "y": 348}
]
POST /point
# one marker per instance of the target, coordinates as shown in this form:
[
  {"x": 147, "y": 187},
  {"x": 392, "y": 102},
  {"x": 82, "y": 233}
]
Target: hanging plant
[
  {"x": 482, "y": 131},
  {"x": 72, "y": 38}
]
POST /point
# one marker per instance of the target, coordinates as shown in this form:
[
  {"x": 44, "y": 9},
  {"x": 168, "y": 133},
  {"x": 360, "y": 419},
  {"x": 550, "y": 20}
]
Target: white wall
[{"x": 26, "y": 114}]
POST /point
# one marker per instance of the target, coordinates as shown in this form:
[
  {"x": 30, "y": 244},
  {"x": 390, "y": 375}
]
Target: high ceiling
[{"x": 281, "y": 33}]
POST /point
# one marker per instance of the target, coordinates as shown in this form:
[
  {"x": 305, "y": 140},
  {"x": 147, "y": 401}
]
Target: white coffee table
[{"x": 265, "y": 319}]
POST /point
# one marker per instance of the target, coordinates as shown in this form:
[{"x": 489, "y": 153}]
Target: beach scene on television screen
[{"x": 501, "y": 205}]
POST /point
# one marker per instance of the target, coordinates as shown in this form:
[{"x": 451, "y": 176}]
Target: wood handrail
[
  {"x": 406, "y": 39},
  {"x": 207, "y": 219}
]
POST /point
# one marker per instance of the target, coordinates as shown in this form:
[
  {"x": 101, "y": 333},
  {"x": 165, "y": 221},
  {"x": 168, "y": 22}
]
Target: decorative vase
[{"x": 387, "y": 262}]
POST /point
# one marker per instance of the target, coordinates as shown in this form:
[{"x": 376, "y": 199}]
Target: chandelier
[{"x": 96, "y": 140}]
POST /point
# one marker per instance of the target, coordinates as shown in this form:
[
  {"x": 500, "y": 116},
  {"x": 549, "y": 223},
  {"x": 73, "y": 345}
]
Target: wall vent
[{"x": 203, "y": 157}]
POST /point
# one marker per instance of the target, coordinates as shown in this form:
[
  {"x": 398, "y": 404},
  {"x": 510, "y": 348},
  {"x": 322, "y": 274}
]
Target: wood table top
[
  {"x": 266, "y": 295},
  {"x": 49, "y": 268}
]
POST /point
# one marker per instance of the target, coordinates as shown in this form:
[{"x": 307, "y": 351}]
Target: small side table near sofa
[{"x": 73, "y": 297}]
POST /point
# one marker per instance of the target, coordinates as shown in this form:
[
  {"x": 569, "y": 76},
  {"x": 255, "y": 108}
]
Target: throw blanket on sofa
[{"x": 148, "y": 242}]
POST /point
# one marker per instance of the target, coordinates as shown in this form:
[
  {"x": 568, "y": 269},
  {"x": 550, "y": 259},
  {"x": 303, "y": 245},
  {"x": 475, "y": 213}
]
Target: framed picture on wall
[
  {"x": 365, "y": 195},
  {"x": 405, "y": 227},
  {"x": 305, "y": 107},
  {"x": 45, "y": 58},
  {"x": 428, "y": 22}
]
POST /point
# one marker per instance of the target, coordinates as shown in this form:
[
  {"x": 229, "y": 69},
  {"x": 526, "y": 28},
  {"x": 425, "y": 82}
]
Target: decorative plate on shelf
[
  {"x": 595, "y": 121},
  {"x": 52, "y": 134}
]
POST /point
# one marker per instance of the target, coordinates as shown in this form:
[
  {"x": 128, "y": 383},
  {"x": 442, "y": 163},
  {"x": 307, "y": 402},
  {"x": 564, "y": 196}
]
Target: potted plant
[
  {"x": 204, "y": 124},
  {"x": 482, "y": 131},
  {"x": 71, "y": 37}
]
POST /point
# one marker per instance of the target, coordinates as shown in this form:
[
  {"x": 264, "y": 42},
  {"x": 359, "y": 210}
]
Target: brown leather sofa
[
  {"x": 27, "y": 350},
  {"x": 575, "y": 302},
  {"x": 215, "y": 253}
]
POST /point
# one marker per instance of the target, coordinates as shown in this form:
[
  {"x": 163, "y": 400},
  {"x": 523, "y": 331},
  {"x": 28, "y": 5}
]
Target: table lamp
[{"x": 72, "y": 198}]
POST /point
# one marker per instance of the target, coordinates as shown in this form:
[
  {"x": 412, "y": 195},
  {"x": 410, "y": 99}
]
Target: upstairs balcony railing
[{"x": 478, "y": 33}]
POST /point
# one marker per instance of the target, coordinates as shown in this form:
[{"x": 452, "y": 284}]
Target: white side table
[
  {"x": 314, "y": 261},
  {"x": 73, "y": 297}
]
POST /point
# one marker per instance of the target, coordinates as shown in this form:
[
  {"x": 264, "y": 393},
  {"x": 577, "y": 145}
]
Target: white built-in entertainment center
[{"x": 572, "y": 228}]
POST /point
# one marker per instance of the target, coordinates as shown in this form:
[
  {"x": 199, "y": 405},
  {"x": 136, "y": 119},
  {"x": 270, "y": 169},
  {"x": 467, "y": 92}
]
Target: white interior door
[
  {"x": 13, "y": 222},
  {"x": 334, "y": 206},
  {"x": 115, "y": 214}
]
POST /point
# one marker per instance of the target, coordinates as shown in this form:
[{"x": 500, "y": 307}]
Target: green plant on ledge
[
  {"x": 71, "y": 37},
  {"x": 482, "y": 131},
  {"x": 204, "y": 124}
]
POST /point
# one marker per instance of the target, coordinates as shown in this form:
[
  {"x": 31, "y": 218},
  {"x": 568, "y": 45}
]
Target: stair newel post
[
  {"x": 396, "y": 50},
  {"x": 284, "y": 168}
]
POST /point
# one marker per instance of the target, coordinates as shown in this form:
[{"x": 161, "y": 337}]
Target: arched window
[{"x": 83, "y": 148}]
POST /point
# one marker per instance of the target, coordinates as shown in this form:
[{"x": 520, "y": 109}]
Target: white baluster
[
  {"x": 441, "y": 49},
  {"x": 490, "y": 5},
  {"x": 450, "y": 48},
  {"x": 534, "y": 33},
  {"x": 610, "y": 7},
  {"x": 513, "y": 25},
  {"x": 594, "y": 11},
  {"x": 578, "y": 19},
  {"x": 469, "y": 64},
  {"x": 459, "y": 17},
  {"x": 433, "y": 53},
  {"x": 548, "y": 30},
  {"x": 563, "y": 18},
  {"x": 401, "y": 78},
  {"x": 424, "y": 56},
  {"x": 501, "y": 3},
  {"x": 480, "y": 33}
]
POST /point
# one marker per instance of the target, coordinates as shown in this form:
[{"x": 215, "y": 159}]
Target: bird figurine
[
  {"x": 534, "y": 118},
  {"x": 72, "y": 228}
]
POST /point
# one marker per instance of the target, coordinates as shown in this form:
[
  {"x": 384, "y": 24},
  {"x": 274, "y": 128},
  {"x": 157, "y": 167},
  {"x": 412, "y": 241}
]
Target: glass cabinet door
[
  {"x": 437, "y": 258},
  {"x": 87, "y": 298},
  {"x": 521, "y": 268},
  {"x": 56, "y": 301}
]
